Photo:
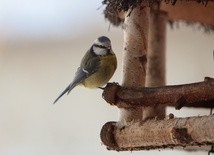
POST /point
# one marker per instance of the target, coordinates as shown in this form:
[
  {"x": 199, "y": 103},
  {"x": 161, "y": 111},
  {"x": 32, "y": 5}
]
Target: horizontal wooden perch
[
  {"x": 199, "y": 94},
  {"x": 155, "y": 134}
]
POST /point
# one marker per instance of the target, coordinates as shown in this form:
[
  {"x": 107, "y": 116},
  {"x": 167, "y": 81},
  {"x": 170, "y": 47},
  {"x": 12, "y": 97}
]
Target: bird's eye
[{"x": 100, "y": 46}]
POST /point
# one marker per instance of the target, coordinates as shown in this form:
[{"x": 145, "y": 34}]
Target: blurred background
[{"x": 41, "y": 45}]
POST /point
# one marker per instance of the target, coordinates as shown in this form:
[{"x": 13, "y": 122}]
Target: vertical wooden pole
[
  {"x": 155, "y": 75},
  {"x": 136, "y": 26}
]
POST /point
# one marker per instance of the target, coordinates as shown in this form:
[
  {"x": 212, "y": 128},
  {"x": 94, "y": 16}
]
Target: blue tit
[{"x": 96, "y": 68}]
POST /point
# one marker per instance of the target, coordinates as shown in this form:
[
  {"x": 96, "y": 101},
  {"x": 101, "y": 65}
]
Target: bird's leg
[{"x": 102, "y": 88}]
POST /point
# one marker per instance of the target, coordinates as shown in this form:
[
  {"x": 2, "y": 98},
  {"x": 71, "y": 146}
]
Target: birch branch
[
  {"x": 154, "y": 134},
  {"x": 199, "y": 94},
  {"x": 134, "y": 61}
]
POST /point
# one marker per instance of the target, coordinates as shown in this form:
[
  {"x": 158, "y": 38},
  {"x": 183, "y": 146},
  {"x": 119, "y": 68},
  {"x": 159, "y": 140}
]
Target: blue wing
[
  {"x": 89, "y": 66},
  {"x": 79, "y": 77}
]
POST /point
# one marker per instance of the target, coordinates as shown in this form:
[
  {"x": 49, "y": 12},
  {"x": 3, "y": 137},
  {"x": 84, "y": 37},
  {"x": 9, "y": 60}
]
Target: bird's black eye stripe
[{"x": 100, "y": 46}]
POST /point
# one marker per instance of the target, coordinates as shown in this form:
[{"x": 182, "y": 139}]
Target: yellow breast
[{"x": 108, "y": 65}]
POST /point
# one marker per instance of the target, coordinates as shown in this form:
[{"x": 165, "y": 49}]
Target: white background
[{"x": 41, "y": 45}]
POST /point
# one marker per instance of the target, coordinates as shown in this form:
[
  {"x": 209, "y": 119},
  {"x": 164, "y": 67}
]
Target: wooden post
[
  {"x": 136, "y": 26},
  {"x": 155, "y": 75}
]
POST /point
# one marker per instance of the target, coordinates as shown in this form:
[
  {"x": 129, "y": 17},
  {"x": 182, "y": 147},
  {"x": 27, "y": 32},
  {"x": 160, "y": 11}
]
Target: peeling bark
[{"x": 153, "y": 134}]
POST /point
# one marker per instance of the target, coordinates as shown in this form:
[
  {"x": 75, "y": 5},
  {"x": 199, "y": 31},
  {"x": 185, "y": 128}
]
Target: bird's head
[{"x": 102, "y": 46}]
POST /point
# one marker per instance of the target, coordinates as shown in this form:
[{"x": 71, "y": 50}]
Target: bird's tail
[
  {"x": 68, "y": 89},
  {"x": 79, "y": 77}
]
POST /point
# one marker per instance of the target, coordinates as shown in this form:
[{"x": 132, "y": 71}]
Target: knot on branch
[
  {"x": 181, "y": 135},
  {"x": 180, "y": 103}
]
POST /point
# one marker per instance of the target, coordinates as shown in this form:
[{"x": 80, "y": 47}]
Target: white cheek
[{"x": 99, "y": 51}]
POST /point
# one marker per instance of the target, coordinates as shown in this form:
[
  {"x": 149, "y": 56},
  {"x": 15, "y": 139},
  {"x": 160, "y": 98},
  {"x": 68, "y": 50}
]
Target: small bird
[{"x": 96, "y": 68}]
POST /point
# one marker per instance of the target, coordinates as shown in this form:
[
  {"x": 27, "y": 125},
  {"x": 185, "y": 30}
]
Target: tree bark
[
  {"x": 154, "y": 134},
  {"x": 143, "y": 86},
  {"x": 199, "y": 94},
  {"x": 134, "y": 62}
]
